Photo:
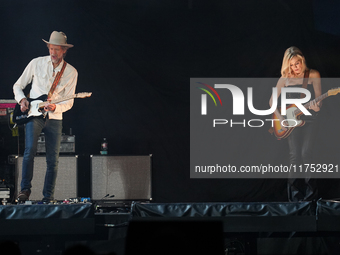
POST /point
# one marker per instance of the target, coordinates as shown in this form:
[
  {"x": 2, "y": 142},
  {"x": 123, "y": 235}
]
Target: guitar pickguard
[
  {"x": 292, "y": 120},
  {"x": 34, "y": 109}
]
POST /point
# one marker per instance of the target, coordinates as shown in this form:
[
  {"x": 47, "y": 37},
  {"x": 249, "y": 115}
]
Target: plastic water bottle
[{"x": 104, "y": 147}]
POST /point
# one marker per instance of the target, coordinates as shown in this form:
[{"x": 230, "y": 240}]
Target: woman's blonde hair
[{"x": 289, "y": 54}]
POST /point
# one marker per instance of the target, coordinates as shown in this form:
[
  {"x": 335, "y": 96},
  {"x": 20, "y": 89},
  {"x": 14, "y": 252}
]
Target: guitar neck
[
  {"x": 316, "y": 100},
  {"x": 58, "y": 100},
  {"x": 63, "y": 99}
]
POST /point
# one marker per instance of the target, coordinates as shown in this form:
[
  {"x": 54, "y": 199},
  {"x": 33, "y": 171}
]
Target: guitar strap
[
  {"x": 56, "y": 80},
  {"x": 305, "y": 82}
]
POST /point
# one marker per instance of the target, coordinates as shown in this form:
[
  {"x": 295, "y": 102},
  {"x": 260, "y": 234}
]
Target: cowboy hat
[{"x": 58, "y": 38}]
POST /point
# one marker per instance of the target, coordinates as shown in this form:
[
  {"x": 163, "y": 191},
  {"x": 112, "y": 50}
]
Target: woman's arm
[{"x": 316, "y": 81}]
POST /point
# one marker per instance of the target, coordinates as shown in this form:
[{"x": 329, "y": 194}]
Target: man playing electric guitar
[{"x": 52, "y": 76}]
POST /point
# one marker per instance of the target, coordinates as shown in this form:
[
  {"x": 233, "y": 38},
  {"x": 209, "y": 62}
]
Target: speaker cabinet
[
  {"x": 66, "y": 184},
  {"x": 125, "y": 177}
]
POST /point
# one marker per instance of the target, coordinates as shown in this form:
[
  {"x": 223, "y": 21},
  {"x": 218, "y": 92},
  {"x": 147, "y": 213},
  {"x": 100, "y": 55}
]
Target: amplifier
[
  {"x": 66, "y": 184},
  {"x": 125, "y": 177},
  {"x": 6, "y": 108},
  {"x": 67, "y": 144}
]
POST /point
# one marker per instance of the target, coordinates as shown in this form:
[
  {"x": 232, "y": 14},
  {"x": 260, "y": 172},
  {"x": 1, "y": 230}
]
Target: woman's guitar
[
  {"x": 36, "y": 107},
  {"x": 293, "y": 115}
]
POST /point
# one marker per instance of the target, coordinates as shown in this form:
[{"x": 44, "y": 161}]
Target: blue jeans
[{"x": 52, "y": 130}]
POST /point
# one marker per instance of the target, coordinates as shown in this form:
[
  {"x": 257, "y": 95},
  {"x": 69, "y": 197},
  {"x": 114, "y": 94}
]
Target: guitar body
[
  {"x": 34, "y": 110},
  {"x": 293, "y": 120}
]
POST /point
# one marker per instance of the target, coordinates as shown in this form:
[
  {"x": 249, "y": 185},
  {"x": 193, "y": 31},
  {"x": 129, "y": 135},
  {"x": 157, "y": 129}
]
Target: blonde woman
[{"x": 293, "y": 71}]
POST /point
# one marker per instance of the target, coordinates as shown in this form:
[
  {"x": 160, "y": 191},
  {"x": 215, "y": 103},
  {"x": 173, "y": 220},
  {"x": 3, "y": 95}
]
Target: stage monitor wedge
[{"x": 121, "y": 177}]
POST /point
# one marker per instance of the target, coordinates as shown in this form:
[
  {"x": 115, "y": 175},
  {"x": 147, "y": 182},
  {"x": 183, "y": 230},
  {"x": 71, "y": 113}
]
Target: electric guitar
[
  {"x": 36, "y": 107},
  {"x": 293, "y": 115}
]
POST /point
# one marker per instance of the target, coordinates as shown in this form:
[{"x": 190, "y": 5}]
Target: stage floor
[{"x": 51, "y": 228}]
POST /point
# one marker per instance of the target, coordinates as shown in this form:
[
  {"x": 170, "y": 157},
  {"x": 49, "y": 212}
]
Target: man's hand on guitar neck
[{"x": 24, "y": 104}]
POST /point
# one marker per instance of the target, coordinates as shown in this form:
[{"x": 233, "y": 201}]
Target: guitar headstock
[
  {"x": 83, "y": 94},
  {"x": 333, "y": 92}
]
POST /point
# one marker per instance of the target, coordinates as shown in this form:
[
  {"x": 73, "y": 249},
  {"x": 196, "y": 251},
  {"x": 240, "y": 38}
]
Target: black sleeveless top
[{"x": 298, "y": 95}]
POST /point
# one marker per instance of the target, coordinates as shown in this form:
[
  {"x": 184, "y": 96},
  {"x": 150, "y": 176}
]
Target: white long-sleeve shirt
[{"x": 40, "y": 72}]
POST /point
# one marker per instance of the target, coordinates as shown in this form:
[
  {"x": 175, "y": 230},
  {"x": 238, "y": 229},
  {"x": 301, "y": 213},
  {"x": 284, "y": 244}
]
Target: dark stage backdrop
[{"x": 137, "y": 58}]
